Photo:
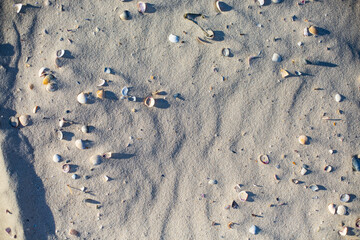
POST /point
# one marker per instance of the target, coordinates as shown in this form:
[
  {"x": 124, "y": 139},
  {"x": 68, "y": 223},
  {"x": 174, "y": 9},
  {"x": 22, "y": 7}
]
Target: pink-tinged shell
[
  {"x": 66, "y": 168},
  {"x": 141, "y": 7},
  {"x": 264, "y": 159},
  {"x": 243, "y": 195}
]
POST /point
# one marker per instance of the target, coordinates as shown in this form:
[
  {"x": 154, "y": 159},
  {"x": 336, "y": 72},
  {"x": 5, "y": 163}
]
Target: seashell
[
  {"x": 43, "y": 71},
  {"x": 82, "y": 98},
  {"x": 295, "y": 181},
  {"x": 276, "y": 1},
  {"x": 254, "y": 230},
  {"x": 225, "y": 52},
  {"x": 306, "y": 32},
  {"x": 133, "y": 99},
  {"x": 327, "y": 168},
  {"x": 8, "y": 230},
  {"x": 62, "y": 122},
  {"x": 18, "y": 7},
  {"x": 284, "y": 73},
  {"x": 124, "y": 91},
  {"x": 303, "y": 140},
  {"x": 100, "y": 93},
  {"x": 74, "y": 232},
  {"x": 14, "y": 121},
  {"x": 80, "y": 144},
  {"x": 261, "y": 2},
  {"x": 212, "y": 182},
  {"x": 106, "y": 178},
  {"x": 341, "y": 210},
  {"x": 357, "y": 223},
  {"x": 264, "y": 159},
  {"x": 56, "y": 158},
  {"x": 356, "y": 163},
  {"x": 338, "y": 97},
  {"x": 51, "y": 87},
  {"x": 36, "y": 108},
  {"x": 303, "y": 171},
  {"x": 31, "y": 86},
  {"x": 173, "y": 38},
  {"x": 47, "y": 79},
  {"x": 107, "y": 70},
  {"x": 209, "y": 34},
  {"x": 141, "y": 7},
  {"x": 66, "y": 168},
  {"x": 60, "y": 135},
  {"x": 300, "y": 44},
  {"x": 75, "y": 176},
  {"x": 243, "y": 196},
  {"x": 85, "y": 129},
  {"x": 25, "y": 119},
  {"x": 332, "y": 208},
  {"x": 344, "y": 231},
  {"x": 125, "y": 15},
  {"x": 107, "y": 155},
  {"x": 314, "y": 187},
  {"x": 276, "y": 58},
  {"x": 149, "y": 101},
  {"x": 60, "y": 53},
  {"x": 96, "y": 160},
  {"x": 344, "y": 197},
  {"x": 313, "y": 30},
  {"x": 102, "y": 82},
  {"x": 219, "y": 6}
]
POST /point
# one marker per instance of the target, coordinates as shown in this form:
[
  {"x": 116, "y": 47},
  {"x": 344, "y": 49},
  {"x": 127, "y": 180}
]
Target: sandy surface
[{"x": 227, "y": 114}]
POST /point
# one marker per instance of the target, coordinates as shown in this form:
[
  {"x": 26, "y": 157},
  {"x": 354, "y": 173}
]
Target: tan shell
[
  {"x": 341, "y": 210},
  {"x": 82, "y": 98},
  {"x": 149, "y": 101},
  {"x": 284, "y": 73},
  {"x": 313, "y": 30},
  {"x": 80, "y": 144},
  {"x": 332, "y": 208},
  {"x": 74, "y": 232},
  {"x": 36, "y": 108},
  {"x": 328, "y": 168},
  {"x": 303, "y": 140},
  {"x": 25, "y": 119},
  {"x": 243, "y": 196},
  {"x": 125, "y": 15},
  {"x": 100, "y": 93}
]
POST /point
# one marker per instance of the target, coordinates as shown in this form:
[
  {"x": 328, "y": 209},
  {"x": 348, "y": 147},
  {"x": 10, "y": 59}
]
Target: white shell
[
  {"x": 24, "y": 119},
  {"x": 314, "y": 188},
  {"x": 173, "y": 38},
  {"x": 74, "y": 176},
  {"x": 225, "y": 52},
  {"x": 327, "y": 168},
  {"x": 102, "y": 82},
  {"x": 276, "y": 1},
  {"x": 51, "y": 87},
  {"x": 125, "y": 91},
  {"x": 85, "y": 129},
  {"x": 261, "y": 2},
  {"x": 82, "y": 98},
  {"x": 332, "y": 208},
  {"x": 300, "y": 44},
  {"x": 303, "y": 171},
  {"x": 149, "y": 102},
  {"x": 338, "y": 97},
  {"x": 303, "y": 139},
  {"x": 254, "y": 230},
  {"x": 18, "y": 7},
  {"x": 141, "y": 7},
  {"x": 36, "y": 108},
  {"x": 61, "y": 122},
  {"x": 56, "y": 158},
  {"x": 345, "y": 197},
  {"x": 212, "y": 182},
  {"x": 243, "y": 195},
  {"x": 125, "y": 15},
  {"x": 80, "y": 144},
  {"x": 60, "y": 53},
  {"x": 306, "y": 32},
  {"x": 344, "y": 231},
  {"x": 276, "y": 58},
  {"x": 341, "y": 210},
  {"x": 60, "y": 135},
  {"x": 106, "y": 178},
  {"x": 96, "y": 160},
  {"x": 43, "y": 71}
]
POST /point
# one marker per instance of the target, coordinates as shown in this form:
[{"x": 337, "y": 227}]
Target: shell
[
  {"x": 82, "y": 98},
  {"x": 47, "y": 79},
  {"x": 43, "y": 71},
  {"x": 212, "y": 182},
  {"x": 149, "y": 102},
  {"x": 60, "y": 53},
  {"x": 276, "y": 58},
  {"x": 263, "y": 158},
  {"x": 314, "y": 187},
  {"x": 62, "y": 122},
  {"x": 173, "y": 38},
  {"x": 51, "y": 87},
  {"x": 125, "y": 15},
  {"x": 18, "y": 7},
  {"x": 218, "y": 6},
  {"x": 328, "y": 168},
  {"x": 100, "y": 93},
  {"x": 14, "y": 121},
  {"x": 80, "y": 144},
  {"x": 66, "y": 168},
  {"x": 25, "y": 119},
  {"x": 106, "y": 178},
  {"x": 357, "y": 223},
  {"x": 36, "y": 108},
  {"x": 284, "y": 73},
  {"x": 225, "y": 52},
  {"x": 332, "y": 208},
  {"x": 96, "y": 160},
  {"x": 306, "y": 32},
  {"x": 344, "y": 231},
  {"x": 75, "y": 176},
  {"x": 341, "y": 210},
  {"x": 125, "y": 91},
  {"x": 59, "y": 135},
  {"x": 85, "y": 129},
  {"x": 102, "y": 82},
  {"x": 107, "y": 155},
  {"x": 261, "y": 2},
  {"x": 345, "y": 197},
  {"x": 209, "y": 34},
  {"x": 56, "y": 158},
  {"x": 74, "y": 232},
  {"x": 141, "y": 7},
  {"x": 107, "y": 70},
  {"x": 313, "y": 30},
  {"x": 338, "y": 97},
  {"x": 356, "y": 163},
  {"x": 133, "y": 99},
  {"x": 303, "y": 171},
  {"x": 254, "y": 230},
  {"x": 243, "y": 196},
  {"x": 276, "y": 1},
  {"x": 303, "y": 140}
]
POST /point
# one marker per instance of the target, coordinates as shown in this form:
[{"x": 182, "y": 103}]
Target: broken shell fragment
[
  {"x": 303, "y": 140},
  {"x": 100, "y": 93},
  {"x": 96, "y": 160},
  {"x": 149, "y": 102},
  {"x": 66, "y": 168},
  {"x": 107, "y": 155},
  {"x": 141, "y": 7},
  {"x": 332, "y": 208},
  {"x": 306, "y": 32},
  {"x": 303, "y": 171},
  {"x": 338, "y": 97},
  {"x": 314, "y": 187},
  {"x": 225, "y": 52},
  {"x": 313, "y": 30},
  {"x": 276, "y": 58},
  {"x": 59, "y": 135},
  {"x": 82, "y": 98},
  {"x": 263, "y": 158},
  {"x": 243, "y": 196},
  {"x": 341, "y": 210},
  {"x": 173, "y": 38},
  {"x": 60, "y": 53},
  {"x": 18, "y": 7},
  {"x": 48, "y": 79},
  {"x": 261, "y": 2},
  {"x": 344, "y": 231},
  {"x": 14, "y": 121},
  {"x": 284, "y": 73},
  {"x": 36, "y": 108},
  {"x": 85, "y": 129},
  {"x": 25, "y": 120},
  {"x": 209, "y": 34},
  {"x": 43, "y": 71},
  {"x": 125, "y": 15},
  {"x": 219, "y": 6},
  {"x": 345, "y": 197},
  {"x": 254, "y": 230},
  {"x": 74, "y": 232},
  {"x": 62, "y": 122},
  {"x": 102, "y": 82},
  {"x": 56, "y": 158},
  {"x": 328, "y": 168},
  {"x": 80, "y": 144},
  {"x": 51, "y": 87}
]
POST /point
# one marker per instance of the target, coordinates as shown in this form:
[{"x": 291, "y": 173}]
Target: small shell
[
  {"x": 107, "y": 70},
  {"x": 25, "y": 119},
  {"x": 212, "y": 182},
  {"x": 264, "y": 159},
  {"x": 75, "y": 176},
  {"x": 80, "y": 144},
  {"x": 332, "y": 208},
  {"x": 102, "y": 82},
  {"x": 243, "y": 196},
  {"x": 341, "y": 210},
  {"x": 51, "y": 87},
  {"x": 276, "y": 1},
  {"x": 62, "y": 122},
  {"x": 125, "y": 15},
  {"x": 313, "y": 30},
  {"x": 357, "y": 223},
  {"x": 133, "y": 99},
  {"x": 173, "y": 38},
  {"x": 60, "y": 53},
  {"x": 303, "y": 171},
  {"x": 141, "y": 7},
  {"x": 254, "y": 230},
  {"x": 56, "y": 158},
  {"x": 96, "y": 160},
  {"x": 82, "y": 98},
  {"x": 74, "y": 232},
  {"x": 225, "y": 52},
  {"x": 338, "y": 97},
  {"x": 218, "y": 6},
  {"x": 125, "y": 91},
  {"x": 303, "y": 140},
  {"x": 85, "y": 129},
  {"x": 306, "y": 32},
  {"x": 18, "y": 7},
  {"x": 314, "y": 187},
  {"x": 106, "y": 178},
  {"x": 276, "y": 58},
  {"x": 149, "y": 102},
  {"x": 327, "y": 168},
  {"x": 107, "y": 155},
  {"x": 14, "y": 121},
  {"x": 356, "y": 163},
  {"x": 36, "y": 108},
  {"x": 59, "y": 135},
  {"x": 100, "y": 93},
  {"x": 344, "y": 231},
  {"x": 66, "y": 168},
  {"x": 295, "y": 181},
  {"x": 284, "y": 73},
  {"x": 209, "y": 34},
  {"x": 47, "y": 79},
  {"x": 345, "y": 197},
  {"x": 43, "y": 71},
  {"x": 261, "y": 2}
]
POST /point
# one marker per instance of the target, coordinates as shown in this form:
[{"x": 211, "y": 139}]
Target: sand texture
[{"x": 213, "y": 116}]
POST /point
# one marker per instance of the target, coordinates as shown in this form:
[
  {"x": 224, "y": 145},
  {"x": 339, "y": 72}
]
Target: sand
[{"x": 225, "y": 114}]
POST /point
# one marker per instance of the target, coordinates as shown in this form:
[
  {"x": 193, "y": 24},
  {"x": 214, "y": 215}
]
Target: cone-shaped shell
[
  {"x": 80, "y": 144},
  {"x": 82, "y": 98},
  {"x": 303, "y": 140},
  {"x": 25, "y": 119}
]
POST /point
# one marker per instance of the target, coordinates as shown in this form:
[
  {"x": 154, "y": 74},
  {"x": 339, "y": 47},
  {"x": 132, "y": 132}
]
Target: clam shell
[
  {"x": 51, "y": 87},
  {"x": 14, "y": 121},
  {"x": 100, "y": 93},
  {"x": 303, "y": 171},
  {"x": 102, "y": 82},
  {"x": 338, "y": 97},
  {"x": 43, "y": 71},
  {"x": 254, "y": 230},
  {"x": 276, "y": 58},
  {"x": 225, "y": 52},
  {"x": 332, "y": 208},
  {"x": 173, "y": 38},
  {"x": 264, "y": 159},
  {"x": 243, "y": 196},
  {"x": 59, "y": 135},
  {"x": 218, "y": 6},
  {"x": 80, "y": 144},
  {"x": 60, "y": 53},
  {"x": 125, "y": 91},
  {"x": 341, "y": 210},
  {"x": 345, "y": 197},
  {"x": 149, "y": 102},
  {"x": 56, "y": 158},
  {"x": 66, "y": 168},
  {"x": 141, "y": 7},
  {"x": 313, "y": 30},
  {"x": 74, "y": 232},
  {"x": 344, "y": 231},
  {"x": 356, "y": 163},
  {"x": 284, "y": 73},
  {"x": 328, "y": 168},
  {"x": 82, "y": 98},
  {"x": 212, "y": 182},
  {"x": 125, "y": 15},
  {"x": 85, "y": 129},
  {"x": 303, "y": 139},
  {"x": 25, "y": 119},
  {"x": 306, "y": 32},
  {"x": 314, "y": 187},
  {"x": 96, "y": 160}
]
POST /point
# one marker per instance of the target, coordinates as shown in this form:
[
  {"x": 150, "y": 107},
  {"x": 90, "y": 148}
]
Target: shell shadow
[
  {"x": 111, "y": 96},
  {"x": 323, "y": 31},
  {"x": 161, "y": 103},
  {"x": 322, "y": 188},
  {"x": 68, "y": 55},
  {"x": 251, "y": 196},
  {"x": 267, "y": 2},
  {"x": 224, "y": 7},
  {"x": 67, "y": 136},
  {"x": 352, "y": 197},
  {"x": 73, "y": 168},
  {"x": 122, "y": 156},
  {"x": 218, "y": 36},
  {"x": 150, "y": 8}
]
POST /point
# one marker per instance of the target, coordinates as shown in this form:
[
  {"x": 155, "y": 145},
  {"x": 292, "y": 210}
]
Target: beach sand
[{"x": 225, "y": 113}]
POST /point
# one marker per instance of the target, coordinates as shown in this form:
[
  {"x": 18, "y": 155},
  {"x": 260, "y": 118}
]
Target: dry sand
[{"x": 227, "y": 114}]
